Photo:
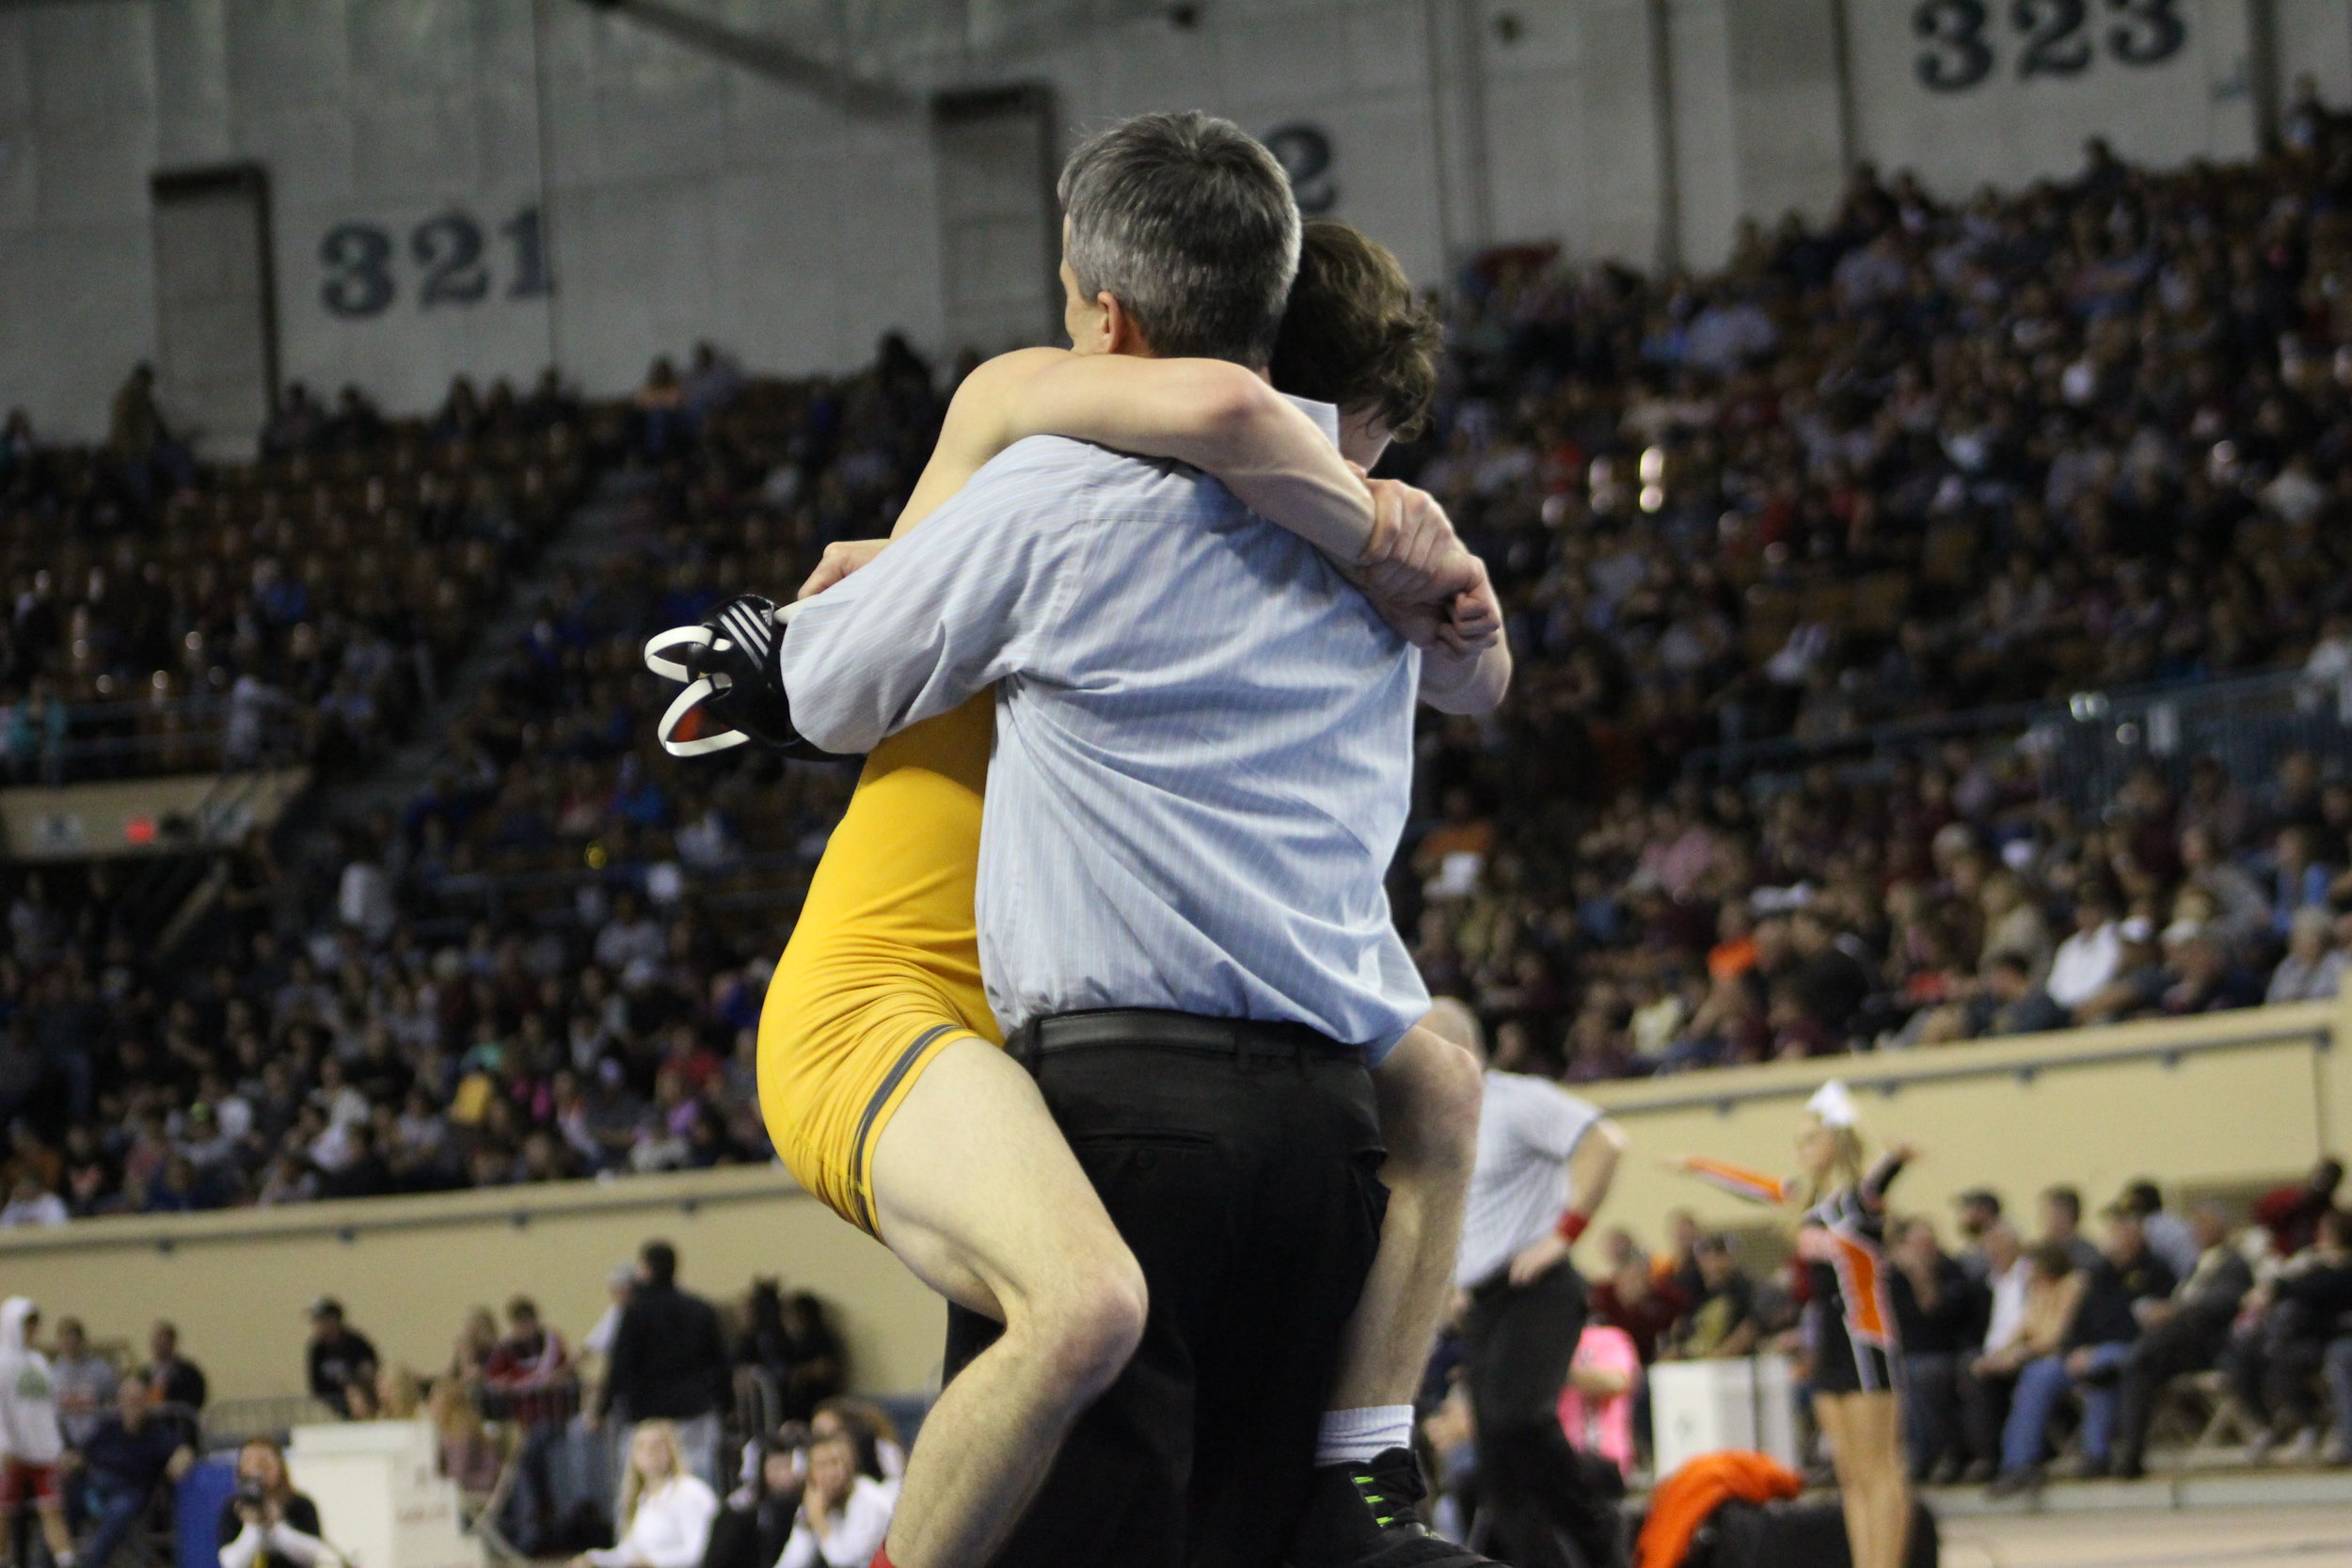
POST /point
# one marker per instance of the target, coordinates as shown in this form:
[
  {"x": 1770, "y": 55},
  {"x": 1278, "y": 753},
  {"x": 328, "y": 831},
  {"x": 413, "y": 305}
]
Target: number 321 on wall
[
  {"x": 2061, "y": 38},
  {"x": 447, "y": 255}
]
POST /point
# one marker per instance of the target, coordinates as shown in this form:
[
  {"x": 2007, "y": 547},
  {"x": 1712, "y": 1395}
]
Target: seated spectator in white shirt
[
  {"x": 666, "y": 1511},
  {"x": 2312, "y": 970},
  {"x": 2086, "y": 960},
  {"x": 32, "y": 1204},
  {"x": 844, "y": 1516}
]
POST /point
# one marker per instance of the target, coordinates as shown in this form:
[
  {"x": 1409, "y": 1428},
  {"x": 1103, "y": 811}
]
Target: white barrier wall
[{"x": 490, "y": 185}]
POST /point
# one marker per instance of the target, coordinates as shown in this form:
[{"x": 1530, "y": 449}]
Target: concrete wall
[
  {"x": 407, "y": 1270},
  {"x": 674, "y": 197},
  {"x": 2224, "y": 1102}
]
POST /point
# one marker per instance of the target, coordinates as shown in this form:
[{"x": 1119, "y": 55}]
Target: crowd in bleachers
[
  {"x": 2221, "y": 1333},
  {"x": 1921, "y": 457},
  {"x": 1929, "y": 456},
  {"x": 171, "y": 616},
  {"x": 715, "y": 1436}
]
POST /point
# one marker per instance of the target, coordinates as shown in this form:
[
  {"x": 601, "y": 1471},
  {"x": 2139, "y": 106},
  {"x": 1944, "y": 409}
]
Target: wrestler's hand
[
  {"x": 1419, "y": 576},
  {"x": 838, "y": 562}
]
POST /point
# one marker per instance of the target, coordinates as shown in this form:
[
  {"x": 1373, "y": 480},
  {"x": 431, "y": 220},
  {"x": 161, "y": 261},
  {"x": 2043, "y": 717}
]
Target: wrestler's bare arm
[
  {"x": 1208, "y": 413},
  {"x": 1225, "y": 420}
]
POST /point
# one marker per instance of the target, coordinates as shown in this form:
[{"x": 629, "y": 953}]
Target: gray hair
[{"x": 1190, "y": 223}]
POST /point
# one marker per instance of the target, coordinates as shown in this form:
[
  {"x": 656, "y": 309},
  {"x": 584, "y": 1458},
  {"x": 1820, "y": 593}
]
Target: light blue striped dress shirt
[{"x": 1203, "y": 739}]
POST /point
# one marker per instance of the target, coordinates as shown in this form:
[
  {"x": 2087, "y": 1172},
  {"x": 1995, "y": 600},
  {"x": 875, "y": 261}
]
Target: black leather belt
[{"x": 1154, "y": 1030}]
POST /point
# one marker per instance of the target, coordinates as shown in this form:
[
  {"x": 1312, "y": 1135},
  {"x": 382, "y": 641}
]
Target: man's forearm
[{"x": 1466, "y": 683}]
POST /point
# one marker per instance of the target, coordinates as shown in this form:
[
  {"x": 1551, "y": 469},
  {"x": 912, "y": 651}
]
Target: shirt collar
[{"x": 1326, "y": 415}]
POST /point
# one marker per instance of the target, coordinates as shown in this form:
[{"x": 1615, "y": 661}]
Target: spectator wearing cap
[
  {"x": 341, "y": 1359},
  {"x": 2312, "y": 970},
  {"x": 2169, "y": 1237},
  {"x": 669, "y": 1361},
  {"x": 2184, "y": 1334}
]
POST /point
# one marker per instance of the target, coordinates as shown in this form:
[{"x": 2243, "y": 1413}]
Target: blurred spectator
[
  {"x": 171, "y": 1378},
  {"x": 1980, "y": 1212},
  {"x": 1941, "y": 1313},
  {"x": 844, "y": 1516},
  {"x": 1721, "y": 1320},
  {"x": 872, "y": 1435},
  {"x": 2312, "y": 970},
  {"x": 2098, "y": 1340},
  {"x": 1596, "y": 1409},
  {"x": 85, "y": 1381},
  {"x": 2062, "y": 1223},
  {"x": 529, "y": 1381},
  {"x": 1644, "y": 1308},
  {"x": 2034, "y": 1297},
  {"x": 666, "y": 1511},
  {"x": 121, "y": 1460},
  {"x": 31, "y": 1203},
  {"x": 340, "y": 1358},
  {"x": 2169, "y": 1237},
  {"x": 31, "y": 1445},
  {"x": 265, "y": 1521},
  {"x": 669, "y": 1363},
  {"x": 2280, "y": 1347},
  {"x": 2291, "y": 1215},
  {"x": 760, "y": 1515},
  {"x": 2186, "y": 1334}
]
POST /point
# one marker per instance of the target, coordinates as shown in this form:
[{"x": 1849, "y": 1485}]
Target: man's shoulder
[{"x": 1065, "y": 461}]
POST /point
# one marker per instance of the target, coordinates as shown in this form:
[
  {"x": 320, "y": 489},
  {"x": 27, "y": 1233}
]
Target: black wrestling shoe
[{"x": 1369, "y": 1517}]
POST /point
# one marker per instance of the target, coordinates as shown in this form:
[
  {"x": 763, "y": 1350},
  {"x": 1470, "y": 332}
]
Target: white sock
[{"x": 1356, "y": 1437}]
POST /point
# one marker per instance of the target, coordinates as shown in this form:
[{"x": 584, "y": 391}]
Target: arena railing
[
  {"x": 2086, "y": 746},
  {"x": 134, "y": 739}
]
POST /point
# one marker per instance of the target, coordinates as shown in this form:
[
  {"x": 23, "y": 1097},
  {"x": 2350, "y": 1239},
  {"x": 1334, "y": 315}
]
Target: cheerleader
[{"x": 1857, "y": 1357}]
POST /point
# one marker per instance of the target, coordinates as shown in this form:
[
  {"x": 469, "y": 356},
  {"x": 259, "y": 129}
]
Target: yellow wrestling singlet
[{"x": 883, "y": 968}]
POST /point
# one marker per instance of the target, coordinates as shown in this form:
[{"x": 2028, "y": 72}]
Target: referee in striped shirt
[{"x": 1545, "y": 1162}]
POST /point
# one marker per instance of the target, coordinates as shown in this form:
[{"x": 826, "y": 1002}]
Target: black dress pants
[
  {"x": 1247, "y": 1182},
  {"x": 1517, "y": 1341},
  {"x": 2189, "y": 1342}
]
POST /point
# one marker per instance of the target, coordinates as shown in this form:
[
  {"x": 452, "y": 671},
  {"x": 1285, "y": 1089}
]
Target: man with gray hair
[{"x": 1201, "y": 770}]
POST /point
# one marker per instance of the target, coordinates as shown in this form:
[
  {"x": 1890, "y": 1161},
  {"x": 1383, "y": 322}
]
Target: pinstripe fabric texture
[
  {"x": 1203, "y": 739},
  {"x": 1527, "y": 1129}
]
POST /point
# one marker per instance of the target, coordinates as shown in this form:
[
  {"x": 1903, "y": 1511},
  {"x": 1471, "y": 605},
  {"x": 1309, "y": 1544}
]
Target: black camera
[{"x": 252, "y": 1493}]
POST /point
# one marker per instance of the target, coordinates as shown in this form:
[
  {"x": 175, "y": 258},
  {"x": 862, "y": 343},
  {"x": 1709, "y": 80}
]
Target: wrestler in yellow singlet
[
  {"x": 883, "y": 972},
  {"x": 883, "y": 968}
]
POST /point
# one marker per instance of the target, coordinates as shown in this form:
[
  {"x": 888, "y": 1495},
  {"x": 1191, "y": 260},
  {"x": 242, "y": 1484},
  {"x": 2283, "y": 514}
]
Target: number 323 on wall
[
  {"x": 446, "y": 255},
  {"x": 2056, "y": 38}
]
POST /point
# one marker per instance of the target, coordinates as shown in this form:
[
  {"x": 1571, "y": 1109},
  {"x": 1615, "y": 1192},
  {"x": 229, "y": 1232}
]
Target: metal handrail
[
  {"x": 1890, "y": 1084},
  {"x": 2089, "y": 707}
]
